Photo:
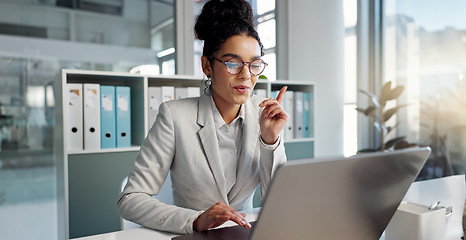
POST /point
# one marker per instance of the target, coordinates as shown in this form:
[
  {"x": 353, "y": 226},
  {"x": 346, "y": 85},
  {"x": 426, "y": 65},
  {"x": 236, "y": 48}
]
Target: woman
[{"x": 219, "y": 146}]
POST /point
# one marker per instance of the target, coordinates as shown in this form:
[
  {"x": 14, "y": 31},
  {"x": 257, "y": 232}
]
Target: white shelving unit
[{"x": 89, "y": 181}]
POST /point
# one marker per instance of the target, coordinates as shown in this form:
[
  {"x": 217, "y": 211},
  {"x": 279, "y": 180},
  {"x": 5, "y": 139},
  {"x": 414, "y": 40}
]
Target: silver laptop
[{"x": 333, "y": 198}]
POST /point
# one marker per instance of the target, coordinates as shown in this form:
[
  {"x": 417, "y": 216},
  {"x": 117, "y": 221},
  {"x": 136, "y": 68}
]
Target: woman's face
[{"x": 233, "y": 90}]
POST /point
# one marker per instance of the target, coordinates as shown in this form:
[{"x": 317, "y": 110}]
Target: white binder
[
  {"x": 289, "y": 108},
  {"x": 260, "y": 92},
  {"x": 298, "y": 114},
  {"x": 168, "y": 93},
  {"x": 155, "y": 98},
  {"x": 74, "y": 116},
  {"x": 91, "y": 106},
  {"x": 181, "y": 92}
]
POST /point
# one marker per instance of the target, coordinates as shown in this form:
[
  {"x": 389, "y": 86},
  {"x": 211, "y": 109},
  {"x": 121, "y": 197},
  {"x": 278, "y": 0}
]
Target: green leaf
[
  {"x": 394, "y": 141},
  {"x": 263, "y": 77},
  {"x": 404, "y": 144},
  {"x": 370, "y": 111},
  {"x": 361, "y": 110},
  {"x": 394, "y": 93},
  {"x": 387, "y": 87},
  {"x": 390, "y": 112}
]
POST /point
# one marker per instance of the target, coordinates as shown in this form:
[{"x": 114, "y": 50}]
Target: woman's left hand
[{"x": 273, "y": 118}]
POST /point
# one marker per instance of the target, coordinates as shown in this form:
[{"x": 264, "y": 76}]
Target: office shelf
[{"x": 89, "y": 181}]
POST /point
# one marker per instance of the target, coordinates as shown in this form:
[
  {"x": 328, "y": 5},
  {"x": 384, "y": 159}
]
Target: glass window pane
[
  {"x": 271, "y": 69},
  {"x": 264, "y": 6},
  {"x": 266, "y": 32},
  {"x": 424, "y": 51},
  {"x": 350, "y": 75},
  {"x": 350, "y": 130}
]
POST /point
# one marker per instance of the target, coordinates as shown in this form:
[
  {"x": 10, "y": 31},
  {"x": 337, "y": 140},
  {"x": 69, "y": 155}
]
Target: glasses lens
[
  {"x": 257, "y": 66},
  {"x": 234, "y": 65}
]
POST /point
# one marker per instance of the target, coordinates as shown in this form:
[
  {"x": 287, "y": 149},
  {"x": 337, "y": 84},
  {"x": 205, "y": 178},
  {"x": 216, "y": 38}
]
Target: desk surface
[
  {"x": 449, "y": 191},
  {"x": 149, "y": 234}
]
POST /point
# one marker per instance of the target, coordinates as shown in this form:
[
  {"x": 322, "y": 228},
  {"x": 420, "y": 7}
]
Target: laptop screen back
[{"x": 338, "y": 198}]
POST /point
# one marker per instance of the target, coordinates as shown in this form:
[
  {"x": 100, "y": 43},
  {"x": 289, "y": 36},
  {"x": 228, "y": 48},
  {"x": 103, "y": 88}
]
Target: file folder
[
  {"x": 123, "y": 116},
  {"x": 155, "y": 99},
  {"x": 91, "y": 104},
  {"x": 107, "y": 117},
  {"x": 74, "y": 116},
  {"x": 181, "y": 92},
  {"x": 298, "y": 114},
  {"x": 260, "y": 92},
  {"x": 306, "y": 115},
  {"x": 289, "y": 108},
  {"x": 168, "y": 93}
]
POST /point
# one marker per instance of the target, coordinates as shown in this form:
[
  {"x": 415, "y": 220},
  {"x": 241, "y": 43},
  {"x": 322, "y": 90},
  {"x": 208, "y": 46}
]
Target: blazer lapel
[
  {"x": 251, "y": 132},
  {"x": 208, "y": 137}
]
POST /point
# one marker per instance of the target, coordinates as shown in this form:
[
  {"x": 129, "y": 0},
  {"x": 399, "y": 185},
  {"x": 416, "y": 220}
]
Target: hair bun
[{"x": 218, "y": 14}]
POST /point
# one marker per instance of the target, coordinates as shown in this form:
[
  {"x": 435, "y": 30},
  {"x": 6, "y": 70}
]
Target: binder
[
  {"x": 298, "y": 114},
  {"x": 168, "y": 93},
  {"x": 107, "y": 117},
  {"x": 91, "y": 104},
  {"x": 74, "y": 116},
  {"x": 194, "y": 91},
  {"x": 306, "y": 115},
  {"x": 155, "y": 98},
  {"x": 123, "y": 116},
  {"x": 181, "y": 92},
  {"x": 260, "y": 92},
  {"x": 289, "y": 127}
]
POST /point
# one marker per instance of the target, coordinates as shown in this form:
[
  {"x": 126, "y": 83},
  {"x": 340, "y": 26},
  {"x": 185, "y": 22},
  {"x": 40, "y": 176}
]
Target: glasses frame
[{"x": 242, "y": 67}]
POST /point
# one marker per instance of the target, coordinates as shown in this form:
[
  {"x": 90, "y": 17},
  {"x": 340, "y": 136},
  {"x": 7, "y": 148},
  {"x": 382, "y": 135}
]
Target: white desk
[
  {"x": 450, "y": 191},
  {"x": 149, "y": 234}
]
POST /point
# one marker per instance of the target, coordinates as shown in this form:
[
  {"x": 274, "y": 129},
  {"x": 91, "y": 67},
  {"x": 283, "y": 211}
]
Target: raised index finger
[{"x": 281, "y": 94}]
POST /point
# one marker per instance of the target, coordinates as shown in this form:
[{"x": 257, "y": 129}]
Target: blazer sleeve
[
  {"x": 150, "y": 170},
  {"x": 270, "y": 160}
]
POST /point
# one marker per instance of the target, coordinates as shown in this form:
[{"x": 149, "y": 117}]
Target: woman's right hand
[{"x": 217, "y": 215}]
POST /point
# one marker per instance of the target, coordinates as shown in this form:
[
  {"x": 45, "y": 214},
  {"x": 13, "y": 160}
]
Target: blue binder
[
  {"x": 107, "y": 117},
  {"x": 123, "y": 116},
  {"x": 306, "y": 115}
]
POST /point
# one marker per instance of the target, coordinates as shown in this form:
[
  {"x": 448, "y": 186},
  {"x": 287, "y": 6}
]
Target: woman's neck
[{"x": 228, "y": 111}]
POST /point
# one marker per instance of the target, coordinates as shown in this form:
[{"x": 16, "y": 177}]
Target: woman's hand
[
  {"x": 273, "y": 118},
  {"x": 217, "y": 215}
]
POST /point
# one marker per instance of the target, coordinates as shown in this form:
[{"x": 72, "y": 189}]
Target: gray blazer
[{"x": 183, "y": 140}]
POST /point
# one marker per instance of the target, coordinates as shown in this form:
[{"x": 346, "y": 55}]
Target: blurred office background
[{"x": 420, "y": 44}]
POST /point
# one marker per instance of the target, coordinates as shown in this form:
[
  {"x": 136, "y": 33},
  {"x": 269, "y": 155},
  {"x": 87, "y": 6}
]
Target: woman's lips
[{"x": 242, "y": 89}]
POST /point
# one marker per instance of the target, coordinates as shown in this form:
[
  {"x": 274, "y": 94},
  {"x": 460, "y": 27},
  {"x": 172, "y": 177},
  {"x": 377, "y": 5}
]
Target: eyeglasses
[{"x": 235, "y": 65}]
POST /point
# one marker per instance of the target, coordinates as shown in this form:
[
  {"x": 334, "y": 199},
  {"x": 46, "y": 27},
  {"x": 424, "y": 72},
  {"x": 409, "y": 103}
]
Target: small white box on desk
[{"x": 416, "y": 222}]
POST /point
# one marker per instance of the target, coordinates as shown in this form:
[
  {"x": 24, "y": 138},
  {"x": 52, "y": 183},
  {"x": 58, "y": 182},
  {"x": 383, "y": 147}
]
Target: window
[
  {"x": 424, "y": 49},
  {"x": 350, "y": 114}
]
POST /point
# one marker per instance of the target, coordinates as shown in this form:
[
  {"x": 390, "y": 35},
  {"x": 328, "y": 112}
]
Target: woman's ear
[{"x": 206, "y": 68}]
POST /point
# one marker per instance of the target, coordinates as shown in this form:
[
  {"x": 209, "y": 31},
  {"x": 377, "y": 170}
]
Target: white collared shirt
[{"x": 229, "y": 138}]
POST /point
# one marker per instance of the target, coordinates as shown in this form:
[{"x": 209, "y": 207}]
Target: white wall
[{"x": 316, "y": 42}]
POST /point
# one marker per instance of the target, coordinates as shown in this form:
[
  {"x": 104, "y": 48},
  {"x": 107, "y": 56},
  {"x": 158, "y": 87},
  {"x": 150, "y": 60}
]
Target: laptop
[{"x": 331, "y": 198}]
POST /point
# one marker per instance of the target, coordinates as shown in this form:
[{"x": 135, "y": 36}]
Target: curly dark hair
[{"x": 221, "y": 19}]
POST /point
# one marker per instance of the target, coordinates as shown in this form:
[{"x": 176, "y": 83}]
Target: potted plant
[{"x": 380, "y": 113}]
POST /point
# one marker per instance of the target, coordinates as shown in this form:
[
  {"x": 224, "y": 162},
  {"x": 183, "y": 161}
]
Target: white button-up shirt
[{"x": 229, "y": 138}]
